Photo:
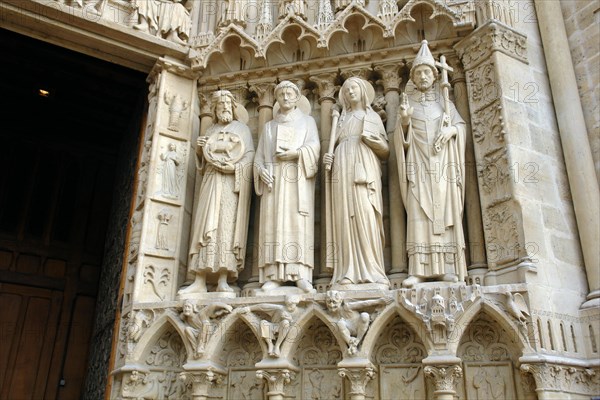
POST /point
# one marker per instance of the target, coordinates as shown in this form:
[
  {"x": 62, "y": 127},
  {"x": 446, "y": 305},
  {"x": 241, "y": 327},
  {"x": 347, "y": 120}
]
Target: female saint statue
[{"x": 357, "y": 237}]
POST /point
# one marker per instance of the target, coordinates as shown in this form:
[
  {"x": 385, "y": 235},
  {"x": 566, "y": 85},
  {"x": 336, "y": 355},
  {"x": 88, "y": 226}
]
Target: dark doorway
[{"x": 69, "y": 140}]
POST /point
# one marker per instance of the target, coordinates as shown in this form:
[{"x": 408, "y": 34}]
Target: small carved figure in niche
[
  {"x": 352, "y": 324},
  {"x": 274, "y": 332},
  {"x": 489, "y": 387},
  {"x": 176, "y": 107},
  {"x": 162, "y": 239},
  {"x": 292, "y": 7},
  {"x": 167, "y": 19},
  {"x": 220, "y": 226},
  {"x": 201, "y": 323},
  {"x": 430, "y": 148},
  {"x": 356, "y": 206},
  {"x": 285, "y": 168},
  {"x": 233, "y": 12},
  {"x": 170, "y": 172}
]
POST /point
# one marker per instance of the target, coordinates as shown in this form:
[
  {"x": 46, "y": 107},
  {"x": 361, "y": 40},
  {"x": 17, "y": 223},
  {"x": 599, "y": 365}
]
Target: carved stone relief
[{"x": 493, "y": 381}]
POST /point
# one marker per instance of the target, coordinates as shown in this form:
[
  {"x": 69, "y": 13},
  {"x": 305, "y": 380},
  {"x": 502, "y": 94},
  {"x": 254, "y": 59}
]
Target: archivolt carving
[
  {"x": 484, "y": 340},
  {"x": 168, "y": 351},
  {"x": 318, "y": 346},
  {"x": 399, "y": 345},
  {"x": 240, "y": 347}
]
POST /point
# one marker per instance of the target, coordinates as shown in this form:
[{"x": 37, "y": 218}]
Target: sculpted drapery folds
[
  {"x": 220, "y": 224},
  {"x": 168, "y": 19},
  {"x": 284, "y": 177},
  {"x": 430, "y": 149},
  {"x": 356, "y": 206}
]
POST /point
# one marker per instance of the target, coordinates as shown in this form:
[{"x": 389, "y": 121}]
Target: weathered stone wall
[
  {"x": 106, "y": 306},
  {"x": 581, "y": 22}
]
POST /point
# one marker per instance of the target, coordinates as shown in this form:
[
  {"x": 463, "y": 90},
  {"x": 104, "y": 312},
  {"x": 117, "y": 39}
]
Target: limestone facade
[{"x": 525, "y": 322}]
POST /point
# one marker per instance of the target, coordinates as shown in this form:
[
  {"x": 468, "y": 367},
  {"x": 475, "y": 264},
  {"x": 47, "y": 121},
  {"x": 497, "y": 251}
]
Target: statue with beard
[
  {"x": 430, "y": 148},
  {"x": 220, "y": 225}
]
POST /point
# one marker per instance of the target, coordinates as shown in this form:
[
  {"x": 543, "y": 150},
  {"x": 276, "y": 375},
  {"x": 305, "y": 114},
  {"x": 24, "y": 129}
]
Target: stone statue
[
  {"x": 352, "y": 324},
  {"x": 274, "y": 332},
  {"x": 167, "y": 19},
  {"x": 220, "y": 226},
  {"x": 284, "y": 177},
  {"x": 294, "y": 7},
  {"x": 200, "y": 323},
  {"x": 430, "y": 148},
  {"x": 170, "y": 174},
  {"x": 233, "y": 12},
  {"x": 356, "y": 206}
]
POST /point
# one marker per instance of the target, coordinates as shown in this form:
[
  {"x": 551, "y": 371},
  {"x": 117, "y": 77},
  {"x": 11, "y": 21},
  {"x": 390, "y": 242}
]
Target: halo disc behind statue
[{"x": 303, "y": 105}]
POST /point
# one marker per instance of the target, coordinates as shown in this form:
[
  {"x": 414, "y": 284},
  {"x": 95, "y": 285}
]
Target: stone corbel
[
  {"x": 445, "y": 379},
  {"x": 200, "y": 381},
  {"x": 276, "y": 381},
  {"x": 359, "y": 378}
]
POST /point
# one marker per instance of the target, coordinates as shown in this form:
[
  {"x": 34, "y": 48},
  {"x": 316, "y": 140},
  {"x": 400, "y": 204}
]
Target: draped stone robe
[
  {"x": 356, "y": 245},
  {"x": 286, "y": 228},
  {"x": 432, "y": 187},
  {"x": 222, "y": 209}
]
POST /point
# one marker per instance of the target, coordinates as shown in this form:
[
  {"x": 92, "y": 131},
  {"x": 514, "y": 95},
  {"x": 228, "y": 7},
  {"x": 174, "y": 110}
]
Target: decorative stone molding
[
  {"x": 492, "y": 37},
  {"x": 359, "y": 379},
  {"x": 174, "y": 67},
  {"x": 276, "y": 380},
  {"x": 563, "y": 378},
  {"x": 439, "y": 307},
  {"x": 444, "y": 378}
]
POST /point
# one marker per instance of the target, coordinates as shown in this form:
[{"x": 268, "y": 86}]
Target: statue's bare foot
[
  {"x": 174, "y": 37},
  {"x": 268, "y": 285},
  {"x": 224, "y": 287},
  {"x": 304, "y": 285},
  {"x": 411, "y": 281},
  {"x": 142, "y": 26},
  {"x": 450, "y": 278},
  {"x": 276, "y": 353},
  {"x": 199, "y": 286},
  {"x": 345, "y": 281}
]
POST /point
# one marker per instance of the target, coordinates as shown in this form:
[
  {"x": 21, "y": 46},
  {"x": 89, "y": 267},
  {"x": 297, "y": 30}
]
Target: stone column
[
  {"x": 445, "y": 379},
  {"x": 391, "y": 86},
  {"x": 359, "y": 378},
  {"x": 495, "y": 58},
  {"x": 165, "y": 215},
  {"x": 276, "y": 381},
  {"x": 574, "y": 139},
  {"x": 477, "y": 266},
  {"x": 206, "y": 117},
  {"x": 327, "y": 88},
  {"x": 266, "y": 99},
  {"x": 200, "y": 381}
]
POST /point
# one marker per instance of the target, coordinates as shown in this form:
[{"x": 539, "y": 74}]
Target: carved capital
[
  {"x": 563, "y": 377},
  {"x": 492, "y": 37},
  {"x": 205, "y": 105},
  {"x": 265, "y": 94},
  {"x": 390, "y": 76},
  {"x": 360, "y": 72},
  {"x": 276, "y": 379},
  {"x": 444, "y": 378},
  {"x": 174, "y": 67},
  {"x": 200, "y": 381},
  {"x": 359, "y": 378},
  {"x": 325, "y": 85}
]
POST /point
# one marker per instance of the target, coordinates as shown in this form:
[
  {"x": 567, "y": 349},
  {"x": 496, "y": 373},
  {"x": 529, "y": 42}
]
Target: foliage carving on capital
[
  {"x": 445, "y": 379},
  {"x": 359, "y": 379},
  {"x": 200, "y": 381},
  {"x": 265, "y": 93},
  {"x": 563, "y": 377},
  {"x": 276, "y": 379},
  {"x": 326, "y": 86},
  {"x": 390, "y": 76},
  {"x": 491, "y": 38}
]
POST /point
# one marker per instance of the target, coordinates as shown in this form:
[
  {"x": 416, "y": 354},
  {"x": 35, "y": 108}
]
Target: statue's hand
[
  {"x": 374, "y": 142},
  {"x": 202, "y": 141},
  {"x": 243, "y": 310},
  {"x": 405, "y": 111},
  {"x": 328, "y": 160},
  {"x": 266, "y": 177},
  {"x": 446, "y": 133},
  {"x": 226, "y": 167},
  {"x": 288, "y": 155}
]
